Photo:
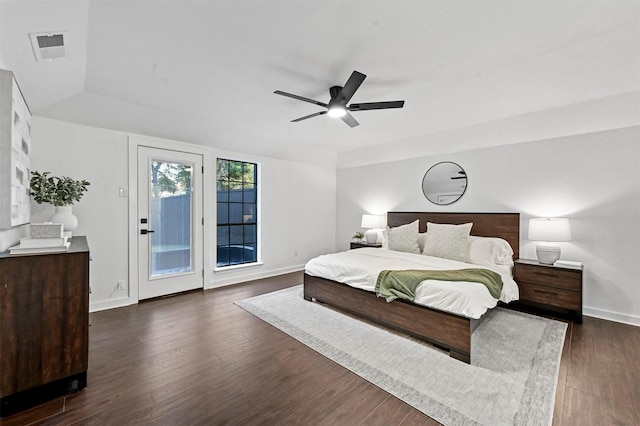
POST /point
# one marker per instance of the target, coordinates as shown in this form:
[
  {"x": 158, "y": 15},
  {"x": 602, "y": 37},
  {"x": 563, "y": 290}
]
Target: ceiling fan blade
[
  {"x": 350, "y": 87},
  {"x": 376, "y": 105},
  {"x": 300, "y": 98},
  {"x": 348, "y": 118},
  {"x": 308, "y": 116}
]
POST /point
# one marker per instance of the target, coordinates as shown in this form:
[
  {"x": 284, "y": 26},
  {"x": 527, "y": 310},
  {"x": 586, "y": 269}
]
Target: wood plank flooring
[{"x": 197, "y": 359}]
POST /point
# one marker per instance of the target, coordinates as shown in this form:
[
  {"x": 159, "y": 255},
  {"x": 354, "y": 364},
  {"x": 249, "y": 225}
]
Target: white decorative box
[{"x": 46, "y": 230}]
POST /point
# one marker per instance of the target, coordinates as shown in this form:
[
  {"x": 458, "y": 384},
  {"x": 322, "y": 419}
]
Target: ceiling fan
[
  {"x": 461, "y": 172},
  {"x": 337, "y": 106}
]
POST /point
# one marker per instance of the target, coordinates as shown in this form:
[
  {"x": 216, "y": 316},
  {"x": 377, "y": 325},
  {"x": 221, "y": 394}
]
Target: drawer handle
[
  {"x": 546, "y": 274},
  {"x": 550, "y": 293}
]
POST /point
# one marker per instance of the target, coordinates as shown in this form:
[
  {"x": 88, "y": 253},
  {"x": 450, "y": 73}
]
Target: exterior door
[{"x": 170, "y": 240}]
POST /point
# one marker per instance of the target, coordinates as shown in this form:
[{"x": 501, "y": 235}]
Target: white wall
[
  {"x": 99, "y": 156},
  {"x": 9, "y": 237},
  {"x": 296, "y": 199},
  {"x": 593, "y": 179}
]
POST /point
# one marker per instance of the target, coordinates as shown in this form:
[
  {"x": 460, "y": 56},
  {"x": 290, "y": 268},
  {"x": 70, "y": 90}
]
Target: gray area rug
[{"x": 511, "y": 381}]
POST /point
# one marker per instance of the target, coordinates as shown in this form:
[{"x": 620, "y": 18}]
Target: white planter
[{"x": 65, "y": 216}]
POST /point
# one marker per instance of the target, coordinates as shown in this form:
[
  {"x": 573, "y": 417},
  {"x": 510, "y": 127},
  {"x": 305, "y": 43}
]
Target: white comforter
[{"x": 360, "y": 268}]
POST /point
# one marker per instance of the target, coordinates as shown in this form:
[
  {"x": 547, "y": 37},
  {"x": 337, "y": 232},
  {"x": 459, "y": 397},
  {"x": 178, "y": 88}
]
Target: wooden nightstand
[
  {"x": 550, "y": 287},
  {"x": 363, "y": 244}
]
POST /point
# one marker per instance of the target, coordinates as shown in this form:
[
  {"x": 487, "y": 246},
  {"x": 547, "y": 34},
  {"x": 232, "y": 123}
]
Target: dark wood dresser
[{"x": 44, "y": 326}]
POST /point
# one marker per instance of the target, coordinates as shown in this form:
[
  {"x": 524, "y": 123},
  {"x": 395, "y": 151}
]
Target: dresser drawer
[
  {"x": 550, "y": 296},
  {"x": 552, "y": 277}
]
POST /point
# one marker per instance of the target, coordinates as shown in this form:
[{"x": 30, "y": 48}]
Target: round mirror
[{"x": 444, "y": 183}]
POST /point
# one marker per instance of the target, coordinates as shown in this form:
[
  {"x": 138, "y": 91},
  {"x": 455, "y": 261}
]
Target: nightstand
[
  {"x": 363, "y": 244},
  {"x": 549, "y": 287}
]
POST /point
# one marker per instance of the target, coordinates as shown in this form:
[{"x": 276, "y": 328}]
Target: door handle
[{"x": 146, "y": 231}]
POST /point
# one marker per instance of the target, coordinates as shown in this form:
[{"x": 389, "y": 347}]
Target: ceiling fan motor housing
[{"x": 334, "y": 91}]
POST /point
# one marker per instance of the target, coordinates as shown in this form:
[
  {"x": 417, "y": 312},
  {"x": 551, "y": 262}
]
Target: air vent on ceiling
[{"x": 48, "y": 46}]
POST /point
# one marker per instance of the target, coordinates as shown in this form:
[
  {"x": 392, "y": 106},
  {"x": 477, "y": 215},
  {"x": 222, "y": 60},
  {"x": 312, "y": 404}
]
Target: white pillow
[
  {"x": 404, "y": 238},
  {"x": 447, "y": 241},
  {"x": 489, "y": 251},
  {"x": 422, "y": 236}
]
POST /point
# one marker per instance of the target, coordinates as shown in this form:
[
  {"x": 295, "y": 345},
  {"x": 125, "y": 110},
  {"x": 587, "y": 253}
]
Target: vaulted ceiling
[{"x": 205, "y": 71}]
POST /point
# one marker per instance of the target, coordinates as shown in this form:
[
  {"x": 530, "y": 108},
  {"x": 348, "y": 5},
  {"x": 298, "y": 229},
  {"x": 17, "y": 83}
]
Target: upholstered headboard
[{"x": 502, "y": 225}]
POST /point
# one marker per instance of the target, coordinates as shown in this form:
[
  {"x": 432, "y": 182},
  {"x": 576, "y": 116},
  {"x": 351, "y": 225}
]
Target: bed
[{"x": 448, "y": 331}]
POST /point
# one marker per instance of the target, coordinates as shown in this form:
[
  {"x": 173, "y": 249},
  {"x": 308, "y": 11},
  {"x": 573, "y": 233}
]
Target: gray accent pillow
[
  {"x": 447, "y": 241},
  {"x": 404, "y": 238}
]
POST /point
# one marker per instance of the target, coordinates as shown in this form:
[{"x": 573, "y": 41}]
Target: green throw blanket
[{"x": 402, "y": 284}]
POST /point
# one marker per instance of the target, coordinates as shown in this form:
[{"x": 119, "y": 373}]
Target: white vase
[{"x": 64, "y": 216}]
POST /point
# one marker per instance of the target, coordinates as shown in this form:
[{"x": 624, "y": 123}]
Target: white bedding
[{"x": 360, "y": 268}]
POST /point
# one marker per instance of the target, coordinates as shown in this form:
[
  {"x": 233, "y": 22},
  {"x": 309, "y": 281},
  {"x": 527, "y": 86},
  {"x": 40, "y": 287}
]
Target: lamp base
[
  {"x": 547, "y": 253},
  {"x": 372, "y": 236}
]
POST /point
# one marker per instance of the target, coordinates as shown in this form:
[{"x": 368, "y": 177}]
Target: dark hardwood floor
[{"x": 197, "y": 359}]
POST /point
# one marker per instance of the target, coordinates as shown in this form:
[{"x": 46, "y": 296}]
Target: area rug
[{"x": 511, "y": 381}]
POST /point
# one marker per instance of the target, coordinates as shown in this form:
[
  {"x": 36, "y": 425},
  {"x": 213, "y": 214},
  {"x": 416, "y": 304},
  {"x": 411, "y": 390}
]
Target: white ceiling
[{"x": 205, "y": 71}]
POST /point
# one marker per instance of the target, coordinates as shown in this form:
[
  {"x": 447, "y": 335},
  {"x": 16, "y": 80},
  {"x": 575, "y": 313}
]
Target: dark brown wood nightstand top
[{"x": 361, "y": 244}]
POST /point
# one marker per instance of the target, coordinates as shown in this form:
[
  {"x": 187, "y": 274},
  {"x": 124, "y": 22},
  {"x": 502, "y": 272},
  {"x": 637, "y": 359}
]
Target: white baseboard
[
  {"x": 111, "y": 303},
  {"x": 611, "y": 316},
  {"x": 221, "y": 279},
  {"x": 247, "y": 275}
]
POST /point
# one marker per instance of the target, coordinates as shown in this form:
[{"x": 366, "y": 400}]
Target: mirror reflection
[{"x": 444, "y": 183}]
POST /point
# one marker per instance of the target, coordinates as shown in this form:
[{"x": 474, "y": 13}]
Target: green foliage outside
[
  {"x": 171, "y": 178},
  {"x": 233, "y": 174}
]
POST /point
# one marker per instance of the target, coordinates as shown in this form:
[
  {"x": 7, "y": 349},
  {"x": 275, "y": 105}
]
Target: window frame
[{"x": 254, "y": 205}]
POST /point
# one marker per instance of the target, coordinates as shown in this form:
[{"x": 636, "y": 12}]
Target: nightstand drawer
[
  {"x": 553, "y": 277},
  {"x": 550, "y": 296}
]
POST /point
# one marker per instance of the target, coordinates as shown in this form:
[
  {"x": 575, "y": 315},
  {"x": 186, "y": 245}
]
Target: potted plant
[{"x": 61, "y": 192}]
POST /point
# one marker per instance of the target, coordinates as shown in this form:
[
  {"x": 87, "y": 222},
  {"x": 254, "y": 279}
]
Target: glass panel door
[
  {"x": 170, "y": 217},
  {"x": 170, "y": 222}
]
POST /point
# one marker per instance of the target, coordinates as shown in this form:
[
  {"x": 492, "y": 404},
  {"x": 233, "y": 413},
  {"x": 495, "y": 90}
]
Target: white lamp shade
[
  {"x": 372, "y": 221},
  {"x": 550, "y": 230}
]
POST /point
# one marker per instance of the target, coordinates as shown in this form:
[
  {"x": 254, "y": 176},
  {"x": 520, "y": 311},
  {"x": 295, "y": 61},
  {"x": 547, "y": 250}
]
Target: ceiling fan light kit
[
  {"x": 337, "y": 111},
  {"x": 340, "y": 96}
]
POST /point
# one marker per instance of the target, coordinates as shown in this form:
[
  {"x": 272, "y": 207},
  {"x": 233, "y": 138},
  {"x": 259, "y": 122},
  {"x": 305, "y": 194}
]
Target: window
[{"x": 237, "y": 189}]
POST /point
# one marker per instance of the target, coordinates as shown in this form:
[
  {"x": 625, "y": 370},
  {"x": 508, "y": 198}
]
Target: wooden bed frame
[{"x": 445, "y": 330}]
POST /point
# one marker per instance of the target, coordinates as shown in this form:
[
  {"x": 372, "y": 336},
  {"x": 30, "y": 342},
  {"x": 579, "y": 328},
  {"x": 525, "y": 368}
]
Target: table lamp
[
  {"x": 374, "y": 223},
  {"x": 549, "y": 231}
]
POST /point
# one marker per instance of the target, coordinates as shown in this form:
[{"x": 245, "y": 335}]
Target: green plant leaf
[{"x": 59, "y": 191}]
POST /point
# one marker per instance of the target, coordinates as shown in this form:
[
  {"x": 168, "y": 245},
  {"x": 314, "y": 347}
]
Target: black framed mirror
[{"x": 444, "y": 183}]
